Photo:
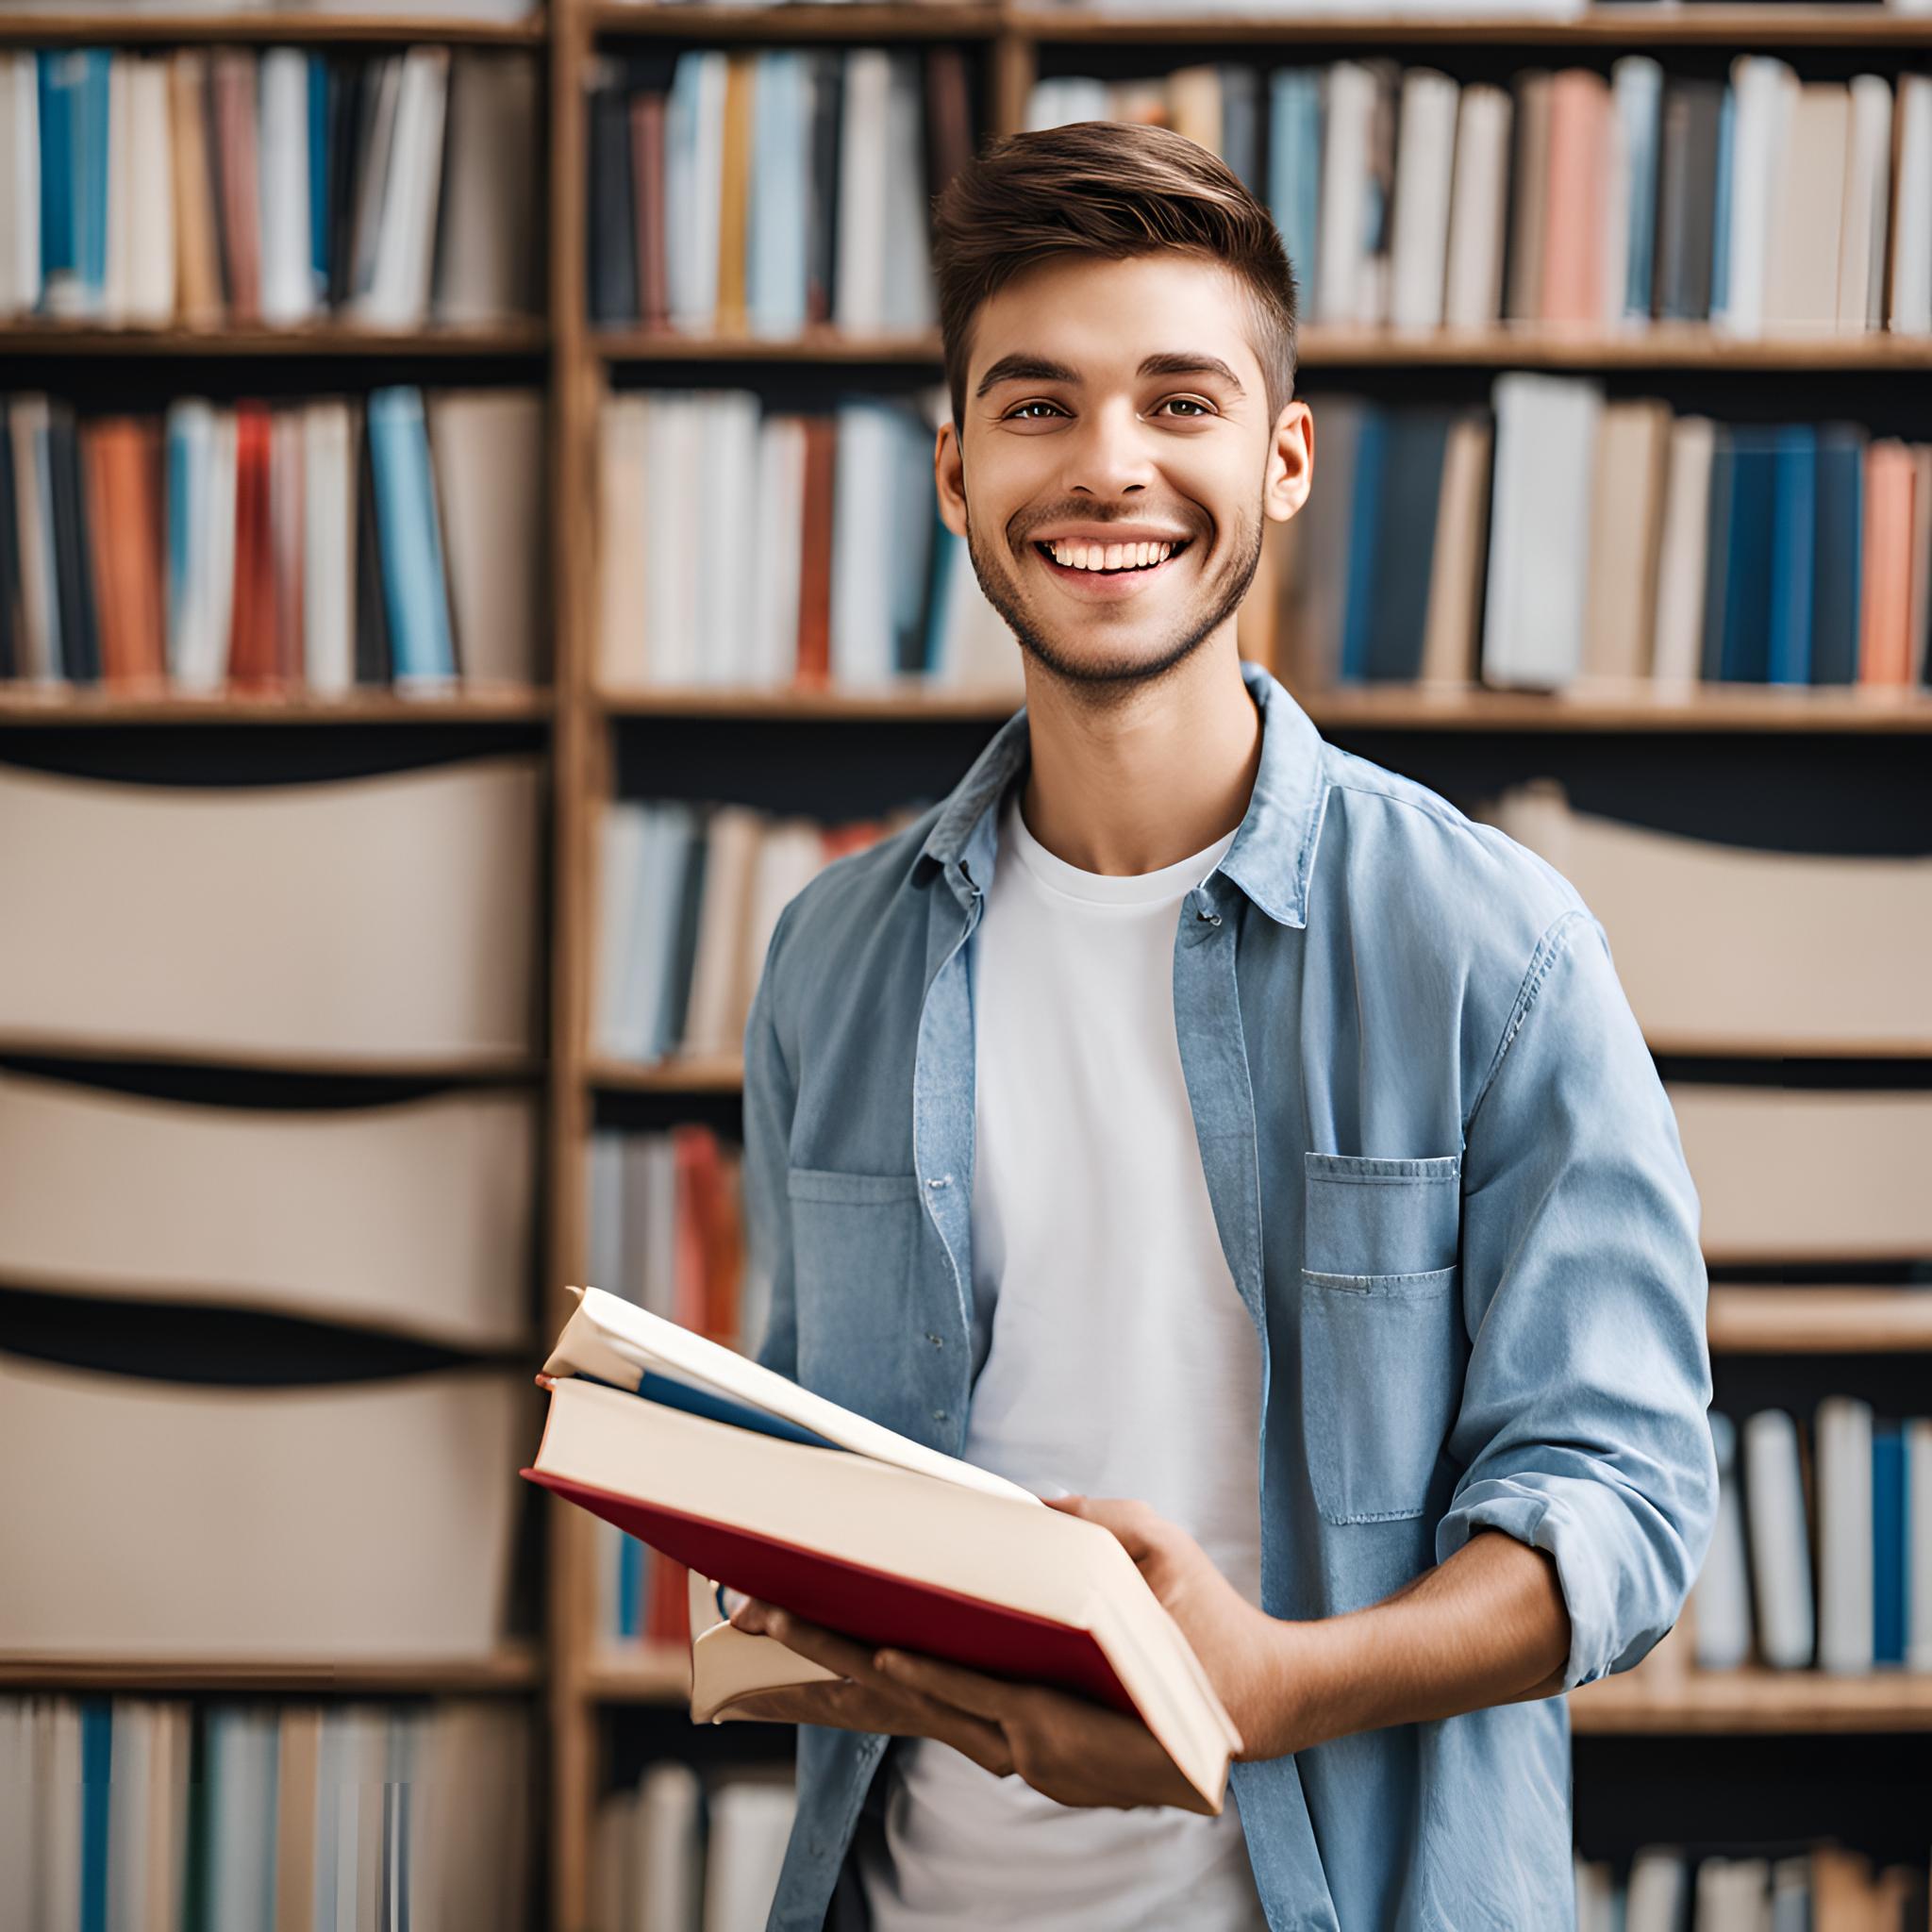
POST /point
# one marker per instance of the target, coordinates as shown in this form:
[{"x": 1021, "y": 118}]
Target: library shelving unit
[{"x": 1443, "y": 736}]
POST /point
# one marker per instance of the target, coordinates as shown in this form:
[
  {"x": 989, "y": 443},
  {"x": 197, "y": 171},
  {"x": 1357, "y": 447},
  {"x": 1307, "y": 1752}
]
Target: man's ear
[
  {"x": 1290, "y": 463},
  {"x": 949, "y": 478}
]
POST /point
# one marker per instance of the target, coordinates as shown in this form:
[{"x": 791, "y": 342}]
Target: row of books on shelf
[
  {"x": 681, "y": 1850},
  {"x": 740, "y": 545},
  {"x": 306, "y": 546},
  {"x": 755, "y": 191},
  {"x": 196, "y": 186},
  {"x": 1762, "y": 203},
  {"x": 178, "y": 1816},
  {"x": 1852, "y": 1504},
  {"x": 690, "y": 896},
  {"x": 1561, "y": 535},
  {"x": 1826, "y": 1888}
]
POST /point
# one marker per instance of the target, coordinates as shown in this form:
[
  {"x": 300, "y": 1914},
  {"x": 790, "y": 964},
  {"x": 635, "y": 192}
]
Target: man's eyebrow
[{"x": 1027, "y": 367}]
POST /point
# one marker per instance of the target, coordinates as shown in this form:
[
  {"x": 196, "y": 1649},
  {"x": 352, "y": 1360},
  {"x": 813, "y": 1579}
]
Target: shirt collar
[{"x": 1274, "y": 851}]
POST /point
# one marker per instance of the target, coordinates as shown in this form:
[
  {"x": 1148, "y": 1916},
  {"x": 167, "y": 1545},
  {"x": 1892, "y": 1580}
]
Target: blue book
[
  {"x": 1641, "y": 81},
  {"x": 781, "y": 182},
  {"x": 1889, "y": 1518},
  {"x": 90, "y": 176},
  {"x": 1240, "y": 123},
  {"x": 1744, "y": 653},
  {"x": 96, "y": 1767},
  {"x": 630, "y": 1587},
  {"x": 58, "y": 76},
  {"x": 947, "y": 557},
  {"x": 1836, "y": 588},
  {"x": 908, "y": 445},
  {"x": 415, "y": 591},
  {"x": 1364, "y": 545},
  {"x": 1295, "y": 168},
  {"x": 320, "y": 122},
  {"x": 1794, "y": 520},
  {"x": 1721, "y": 209}
]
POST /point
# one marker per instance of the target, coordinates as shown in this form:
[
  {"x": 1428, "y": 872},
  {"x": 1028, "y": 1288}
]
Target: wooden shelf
[
  {"x": 782, "y": 701},
  {"x": 1652, "y": 345},
  {"x": 102, "y": 26},
  {"x": 512, "y": 1669},
  {"x": 485, "y": 1071},
  {"x": 723, "y": 1075},
  {"x": 1640, "y": 26},
  {"x": 1749, "y": 1320},
  {"x": 816, "y": 345},
  {"x": 67, "y": 705},
  {"x": 646, "y": 1673},
  {"x": 1756, "y": 1701},
  {"x": 858, "y": 21},
  {"x": 40, "y": 337}
]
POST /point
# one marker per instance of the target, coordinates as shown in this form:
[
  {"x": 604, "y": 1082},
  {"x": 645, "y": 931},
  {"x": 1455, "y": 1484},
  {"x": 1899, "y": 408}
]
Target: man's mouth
[{"x": 1137, "y": 560}]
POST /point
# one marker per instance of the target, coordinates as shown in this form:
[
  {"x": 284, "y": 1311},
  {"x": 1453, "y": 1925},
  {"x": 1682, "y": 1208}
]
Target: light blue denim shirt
[{"x": 1451, "y": 1193}]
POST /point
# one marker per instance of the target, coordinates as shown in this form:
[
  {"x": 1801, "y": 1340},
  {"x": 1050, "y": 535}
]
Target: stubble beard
[{"x": 1115, "y": 674}]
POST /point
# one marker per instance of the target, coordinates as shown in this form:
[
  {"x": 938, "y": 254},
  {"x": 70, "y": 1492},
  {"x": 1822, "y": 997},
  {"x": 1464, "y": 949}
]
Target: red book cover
[
  {"x": 251, "y": 638},
  {"x": 688, "y": 1243},
  {"x": 667, "y": 1605},
  {"x": 815, "y": 562},
  {"x": 868, "y": 1605},
  {"x": 235, "y": 88},
  {"x": 647, "y": 171}
]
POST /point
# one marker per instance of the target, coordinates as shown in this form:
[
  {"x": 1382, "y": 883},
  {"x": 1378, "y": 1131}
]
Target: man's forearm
[{"x": 1488, "y": 1626}]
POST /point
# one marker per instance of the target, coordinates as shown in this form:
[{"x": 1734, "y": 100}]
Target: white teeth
[{"x": 1109, "y": 557}]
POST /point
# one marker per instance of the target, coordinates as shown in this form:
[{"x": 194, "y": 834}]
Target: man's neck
[{"x": 1132, "y": 786}]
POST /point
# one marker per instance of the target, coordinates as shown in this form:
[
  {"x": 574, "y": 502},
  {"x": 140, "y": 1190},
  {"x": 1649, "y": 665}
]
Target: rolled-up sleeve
[
  {"x": 770, "y": 1097},
  {"x": 1583, "y": 1429}
]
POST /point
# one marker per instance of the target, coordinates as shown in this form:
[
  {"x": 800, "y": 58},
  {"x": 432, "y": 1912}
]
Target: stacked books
[
  {"x": 677, "y": 1852},
  {"x": 1667, "y": 1889},
  {"x": 853, "y": 578},
  {"x": 272, "y": 547},
  {"x": 269, "y": 186},
  {"x": 1859, "y": 1519},
  {"x": 1760, "y": 203},
  {"x": 1565, "y": 536},
  {"x": 690, "y": 896},
  {"x": 759, "y": 1486},
  {"x": 757, "y": 192},
  {"x": 303, "y": 1817}
]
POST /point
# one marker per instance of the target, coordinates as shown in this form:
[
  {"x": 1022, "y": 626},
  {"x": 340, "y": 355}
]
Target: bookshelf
[{"x": 581, "y": 1687}]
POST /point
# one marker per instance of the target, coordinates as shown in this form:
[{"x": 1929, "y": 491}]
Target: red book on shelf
[
  {"x": 815, "y": 559},
  {"x": 760, "y": 1486},
  {"x": 647, "y": 169},
  {"x": 234, "y": 86},
  {"x": 252, "y": 662},
  {"x": 120, "y": 459},
  {"x": 1885, "y": 645},
  {"x": 1573, "y": 214}
]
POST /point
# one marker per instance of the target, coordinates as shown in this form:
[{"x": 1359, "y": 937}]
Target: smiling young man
[{"x": 1227, "y": 1136}]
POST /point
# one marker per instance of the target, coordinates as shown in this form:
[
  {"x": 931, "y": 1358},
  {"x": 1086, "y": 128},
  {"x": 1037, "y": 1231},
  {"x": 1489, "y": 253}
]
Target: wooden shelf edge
[
  {"x": 785, "y": 700},
  {"x": 1753, "y": 1701},
  {"x": 857, "y": 20},
  {"x": 1749, "y": 1320},
  {"x": 100, "y": 26},
  {"x": 720, "y": 1074},
  {"x": 655, "y": 1674},
  {"x": 80, "y": 337},
  {"x": 515, "y": 1668},
  {"x": 65, "y": 705}
]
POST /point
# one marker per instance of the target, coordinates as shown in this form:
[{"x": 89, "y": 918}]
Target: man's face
[{"x": 1111, "y": 404}]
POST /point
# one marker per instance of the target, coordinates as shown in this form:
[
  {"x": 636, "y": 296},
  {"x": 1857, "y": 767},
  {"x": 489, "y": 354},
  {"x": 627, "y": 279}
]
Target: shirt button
[
  {"x": 943, "y": 1180},
  {"x": 938, "y": 1415}
]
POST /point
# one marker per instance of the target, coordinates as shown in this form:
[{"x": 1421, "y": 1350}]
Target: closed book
[
  {"x": 287, "y": 540},
  {"x": 232, "y": 79},
  {"x": 614, "y": 237},
  {"x": 1751, "y": 537},
  {"x": 328, "y": 547},
  {"x": 730, "y": 1469},
  {"x": 815, "y": 551},
  {"x": 734, "y": 190},
  {"x": 779, "y": 184},
  {"x": 1572, "y": 256},
  {"x": 1405, "y": 517},
  {"x": 1454, "y": 619},
  {"x": 1425, "y": 157},
  {"x": 375, "y": 661},
  {"x": 1678, "y": 633},
  {"x": 1845, "y": 1461},
  {"x": 1687, "y": 196},
  {"x": 1890, "y": 1514},
  {"x": 252, "y": 663},
  {"x": 74, "y": 570},
  {"x": 647, "y": 171},
  {"x": 1919, "y": 1544},
  {"x": 415, "y": 590},
  {"x": 1885, "y": 655},
  {"x": 1780, "y": 1546},
  {"x": 13, "y": 646},
  {"x": 825, "y": 81},
  {"x": 1794, "y": 553},
  {"x": 1717, "y": 548},
  {"x": 28, "y": 424},
  {"x": 1801, "y": 293},
  {"x": 288, "y": 251},
  {"x": 1637, "y": 84},
  {"x": 1862, "y": 222},
  {"x": 1529, "y": 178},
  {"x": 1626, "y": 528},
  {"x": 1294, "y": 167},
  {"x": 395, "y": 291},
  {"x": 1478, "y": 208},
  {"x": 860, "y": 293},
  {"x": 1721, "y": 1627},
  {"x": 486, "y": 233}
]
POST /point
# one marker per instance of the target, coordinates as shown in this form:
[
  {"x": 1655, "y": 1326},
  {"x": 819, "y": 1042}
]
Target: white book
[
  {"x": 1341, "y": 280},
  {"x": 1478, "y": 208},
  {"x": 132, "y": 1770},
  {"x": 1911, "y": 225},
  {"x": 486, "y": 249},
  {"x": 242, "y": 1745},
  {"x": 1659, "y": 1890},
  {"x": 1637, "y": 85},
  {"x": 653, "y": 931},
  {"x": 1780, "y": 1545},
  {"x": 1868, "y": 194},
  {"x": 329, "y": 575},
  {"x": 751, "y": 1825},
  {"x": 613, "y": 1837},
  {"x": 288, "y": 271},
  {"x": 1595, "y": 1895},
  {"x": 674, "y": 443},
  {"x": 209, "y": 666},
  {"x": 776, "y": 266},
  {"x": 149, "y": 291},
  {"x": 1721, "y": 1622},
  {"x": 620, "y": 868},
  {"x": 651, "y": 1221},
  {"x": 111, "y": 297},
  {"x": 1733, "y": 1895},
  {"x": 727, "y": 576},
  {"x": 1805, "y": 244},
  {"x": 622, "y": 538},
  {"x": 20, "y": 183},
  {"x": 779, "y": 523},
  {"x": 17, "y": 1773},
  {"x": 1074, "y": 97},
  {"x": 1760, "y": 129},
  {"x": 285, "y": 520},
  {"x": 1425, "y": 164},
  {"x": 1678, "y": 635},
  {"x": 695, "y": 187},
  {"x": 397, "y": 295},
  {"x": 57, "y": 1820},
  {"x": 908, "y": 299},
  {"x": 1919, "y": 1545},
  {"x": 861, "y": 651},
  {"x": 1533, "y": 622},
  {"x": 27, "y": 417},
  {"x": 719, "y": 997},
  {"x": 669, "y": 1871},
  {"x": 1843, "y": 1442},
  {"x": 1790, "y": 1894},
  {"x": 858, "y": 302}
]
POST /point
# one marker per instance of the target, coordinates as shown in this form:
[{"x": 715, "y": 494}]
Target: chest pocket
[{"x": 1382, "y": 1347}]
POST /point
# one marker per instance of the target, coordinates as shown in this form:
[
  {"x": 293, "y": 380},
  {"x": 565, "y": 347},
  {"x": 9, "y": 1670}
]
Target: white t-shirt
[{"x": 1121, "y": 1363}]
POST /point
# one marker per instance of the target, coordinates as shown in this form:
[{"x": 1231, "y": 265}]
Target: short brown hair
[{"x": 1109, "y": 190}]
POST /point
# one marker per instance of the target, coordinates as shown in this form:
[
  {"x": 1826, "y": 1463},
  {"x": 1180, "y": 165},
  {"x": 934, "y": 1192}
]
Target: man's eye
[
  {"x": 1013, "y": 415},
  {"x": 1186, "y": 402}
]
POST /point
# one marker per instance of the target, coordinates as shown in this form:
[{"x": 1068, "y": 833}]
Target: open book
[{"x": 746, "y": 1478}]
